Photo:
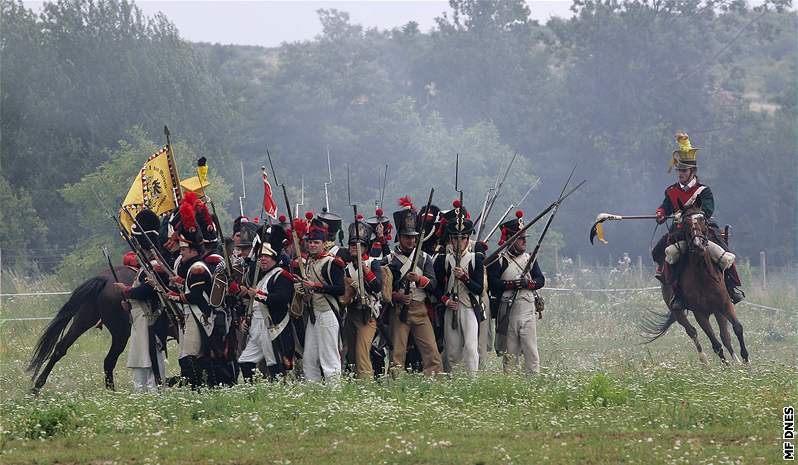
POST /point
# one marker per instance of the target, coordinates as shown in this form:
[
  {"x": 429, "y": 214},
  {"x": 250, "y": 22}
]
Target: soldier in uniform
[
  {"x": 516, "y": 331},
  {"x": 688, "y": 191},
  {"x": 265, "y": 331},
  {"x": 322, "y": 285},
  {"x": 363, "y": 307},
  {"x": 410, "y": 312},
  {"x": 460, "y": 276},
  {"x": 146, "y": 350},
  {"x": 192, "y": 288}
]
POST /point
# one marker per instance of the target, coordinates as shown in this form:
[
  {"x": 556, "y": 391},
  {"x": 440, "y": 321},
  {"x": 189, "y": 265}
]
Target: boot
[
  {"x": 735, "y": 293},
  {"x": 247, "y": 371}
]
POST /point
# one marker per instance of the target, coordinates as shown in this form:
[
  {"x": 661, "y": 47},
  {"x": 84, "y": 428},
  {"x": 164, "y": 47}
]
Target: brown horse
[
  {"x": 96, "y": 300},
  {"x": 704, "y": 292}
]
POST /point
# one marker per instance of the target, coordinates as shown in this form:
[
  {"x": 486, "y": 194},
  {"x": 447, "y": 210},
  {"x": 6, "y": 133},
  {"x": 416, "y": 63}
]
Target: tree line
[{"x": 604, "y": 90}]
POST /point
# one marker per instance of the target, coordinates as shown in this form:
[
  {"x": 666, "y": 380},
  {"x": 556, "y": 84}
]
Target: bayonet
[
  {"x": 243, "y": 191},
  {"x": 329, "y": 181}
]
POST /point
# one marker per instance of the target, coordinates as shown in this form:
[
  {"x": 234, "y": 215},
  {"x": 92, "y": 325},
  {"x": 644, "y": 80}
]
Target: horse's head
[{"x": 695, "y": 227}]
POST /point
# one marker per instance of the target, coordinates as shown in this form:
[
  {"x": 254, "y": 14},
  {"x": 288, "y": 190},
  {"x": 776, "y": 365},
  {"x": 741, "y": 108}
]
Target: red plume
[
  {"x": 406, "y": 202},
  {"x": 300, "y": 227},
  {"x": 379, "y": 212},
  {"x": 309, "y": 215},
  {"x": 282, "y": 219},
  {"x": 359, "y": 217},
  {"x": 190, "y": 197},
  {"x": 187, "y": 213},
  {"x": 519, "y": 214},
  {"x": 456, "y": 204}
]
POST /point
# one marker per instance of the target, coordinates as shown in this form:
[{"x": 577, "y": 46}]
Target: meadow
[{"x": 602, "y": 398}]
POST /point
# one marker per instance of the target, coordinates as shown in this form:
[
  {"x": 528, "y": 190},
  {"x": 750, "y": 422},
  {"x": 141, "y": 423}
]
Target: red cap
[{"x": 309, "y": 215}]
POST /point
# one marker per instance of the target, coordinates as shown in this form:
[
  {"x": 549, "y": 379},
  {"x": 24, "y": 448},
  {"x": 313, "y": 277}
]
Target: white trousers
[
  {"x": 522, "y": 338},
  {"x": 321, "y": 355},
  {"x": 144, "y": 378},
  {"x": 259, "y": 345},
  {"x": 462, "y": 344}
]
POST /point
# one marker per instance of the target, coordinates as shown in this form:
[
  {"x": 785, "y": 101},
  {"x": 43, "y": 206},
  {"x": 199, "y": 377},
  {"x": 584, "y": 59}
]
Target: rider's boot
[{"x": 732, "y": 280}]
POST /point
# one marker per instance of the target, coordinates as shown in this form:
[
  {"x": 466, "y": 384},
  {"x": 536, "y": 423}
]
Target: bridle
[{"x": 696, "y": 224}]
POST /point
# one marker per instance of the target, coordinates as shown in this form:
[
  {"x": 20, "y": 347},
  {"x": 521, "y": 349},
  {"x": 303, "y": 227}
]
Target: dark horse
[
  {"x": 704, "y": 292},
  {"x": 96, "y": 300}
]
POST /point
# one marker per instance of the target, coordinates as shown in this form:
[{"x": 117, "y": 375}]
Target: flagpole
[{"x": 177, "y": 194}]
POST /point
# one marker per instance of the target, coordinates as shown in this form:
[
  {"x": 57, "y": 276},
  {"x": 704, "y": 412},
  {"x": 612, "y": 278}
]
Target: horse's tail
[
  {"x": 656, "y": 325},
  {"x": 52, "y": 334}
]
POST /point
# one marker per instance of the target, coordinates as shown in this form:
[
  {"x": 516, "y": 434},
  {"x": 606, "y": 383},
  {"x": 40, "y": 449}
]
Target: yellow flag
[{"x": 155, "y": 187}]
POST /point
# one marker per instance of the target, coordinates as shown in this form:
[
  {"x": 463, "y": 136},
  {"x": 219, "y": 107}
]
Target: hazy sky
[{"x": 269, "y": 23}]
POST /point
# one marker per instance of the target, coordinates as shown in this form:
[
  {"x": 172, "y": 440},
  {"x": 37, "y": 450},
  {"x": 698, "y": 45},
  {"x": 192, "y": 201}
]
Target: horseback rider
[
  {"x": 686, "y": 192},
  {"x": 460, "y": 276}
]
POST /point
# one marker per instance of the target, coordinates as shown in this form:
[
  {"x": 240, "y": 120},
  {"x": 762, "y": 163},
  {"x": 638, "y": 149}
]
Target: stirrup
[{"x": 736, "y": 294}]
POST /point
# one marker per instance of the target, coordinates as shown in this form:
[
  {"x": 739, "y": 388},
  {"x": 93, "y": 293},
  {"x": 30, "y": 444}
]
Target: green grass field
[{"x": 602, "y": 398}]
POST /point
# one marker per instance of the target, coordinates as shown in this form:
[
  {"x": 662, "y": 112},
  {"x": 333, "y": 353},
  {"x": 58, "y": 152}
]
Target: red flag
[{"x": 268, "y": 202}]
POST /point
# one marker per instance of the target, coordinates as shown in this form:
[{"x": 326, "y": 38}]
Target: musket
[
  {"x": 507, "y": 212},
  {"x": 533, "y": 256},
  {"x": 113, "y": 272},
  {"x": 250, "y": 305},
  {"x": 329, "y": 172},
  {"x": 495, "y": 254},
  {"x": 460, "y": 217},
  {"x": 175, "y": 317},
  {"x": 294, "y": 237},
  {"x": 161, "y": 288},
  {"x": 358, "y": 263},
  {"x": 403, "y": 281},
  {"x": 243, "y": 191},
  {"x": 488, "y": 208}
]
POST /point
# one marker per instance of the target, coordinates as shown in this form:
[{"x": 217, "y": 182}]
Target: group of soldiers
[
  {"x": 419, "y": 294},
  {"x": 275, "y": 296}
]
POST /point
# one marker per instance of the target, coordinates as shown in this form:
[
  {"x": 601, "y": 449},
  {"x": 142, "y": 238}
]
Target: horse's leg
[
  {"x": 83, "y": 321},
  {"x": 731, "y": 314},
  {"x": 725, "y": 335},
  {"x": 119, "y": 327},
  {"x": 681, "y": 318},
  {"x": 703, "y": 322}
]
